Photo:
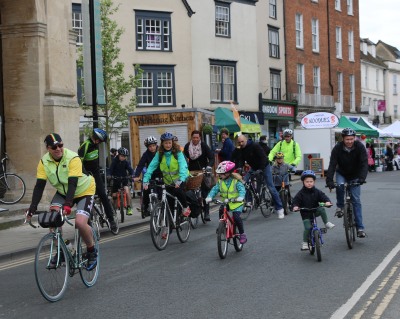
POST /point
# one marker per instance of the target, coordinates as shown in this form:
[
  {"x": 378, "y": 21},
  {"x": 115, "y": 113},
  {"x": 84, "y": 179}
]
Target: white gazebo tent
[{"x": 393, "y": 129}]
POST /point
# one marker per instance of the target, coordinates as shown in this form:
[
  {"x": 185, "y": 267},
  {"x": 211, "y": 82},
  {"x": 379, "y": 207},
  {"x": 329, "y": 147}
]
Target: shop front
[{"x": 278, "y": 116}]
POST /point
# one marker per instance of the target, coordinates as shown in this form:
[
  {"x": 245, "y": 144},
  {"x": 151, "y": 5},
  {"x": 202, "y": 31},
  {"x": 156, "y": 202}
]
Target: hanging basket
[{"x": 194, "y": 180}]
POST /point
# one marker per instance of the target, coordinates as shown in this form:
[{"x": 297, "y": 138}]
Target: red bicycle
[{"x": 227, "y": 230}]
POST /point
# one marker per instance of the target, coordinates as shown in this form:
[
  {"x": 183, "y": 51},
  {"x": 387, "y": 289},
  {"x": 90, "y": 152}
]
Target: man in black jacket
[
  {"x": 254, "y": 155},
  {"x": 349, "y": 160},
  {"x": 199, "y": 156}
]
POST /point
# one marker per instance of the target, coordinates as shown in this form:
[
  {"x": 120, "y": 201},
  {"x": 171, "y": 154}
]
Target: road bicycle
[
  {"x": 121, "y": 203},
  {"x": 227, "y": 231},
  {"x": 163, "y": 221},
  {"x": 284, "y": 191},
  {"x": 315, "y": 237},
  {"x": 349, "y": 223},
  {"x": 12, "y": 186},
  {"x": 55, "y": 262},
  {"x": 257, "y": 195},
  {"x": 99, "y": 218}
]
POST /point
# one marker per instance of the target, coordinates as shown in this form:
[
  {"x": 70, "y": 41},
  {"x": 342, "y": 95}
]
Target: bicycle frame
[
  {"x": 229, "y": 222},
  {"x": 164, "y": 199}
]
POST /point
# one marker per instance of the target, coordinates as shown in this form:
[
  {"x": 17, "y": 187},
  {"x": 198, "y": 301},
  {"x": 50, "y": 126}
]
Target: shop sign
[
  {"x": 320, "y": 120},
  {"x": 255, "y": 117},
  {"x": 278, "y": 110}
]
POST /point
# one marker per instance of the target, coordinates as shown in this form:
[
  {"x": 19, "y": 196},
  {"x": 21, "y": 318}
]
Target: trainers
[
  {"x": 329, "y": 225},
  {"x": 53, "y": 261},
  {"x": 91, "y": 260},
  {"x": 361, "y": 233},
  {"x": 339, "y": 212},
  {"x": 304, "y": 245},
  {"x": 129, "y": 211},
  {"x": 207, "y": 217},
  {"x": 186, "y": 212},
  {"x": 113, "y": 226},
  {"x": 281, "y": 215},
  {"x": 243, "y": 238}
]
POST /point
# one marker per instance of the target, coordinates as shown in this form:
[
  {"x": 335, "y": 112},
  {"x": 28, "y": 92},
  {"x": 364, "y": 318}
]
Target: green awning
[
  {"x": 345, "y": 122},
  {"x": 224, "y": 119}
]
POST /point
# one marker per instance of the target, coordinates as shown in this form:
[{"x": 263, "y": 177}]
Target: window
[
  {"x": 366, "y": 77},
  {"x": 275, "y": 83},
  {"x": 300, "y": 81},
  {"x": 351, "y": 45},
  {"x": 272, "y": 9},
  {"x": 394, "y": 84},
  {"x": 157, "y": 86},
  {"x": 377, "y": 79},
  {"x": 299, "y": 30},
  {"x": 317, "y": 81},
  {"x": 340, "y": 87},
  {"x": 315, "y": 34},
  {"x": 350, "y": 7},
  {"x": 77, "y": 22},
  {"x": 153, "y": 31},
  {"x": 222, "y": 19},
  {"x": 339, "y": 42},
  {"x": 352, "y": 94},
  {"x": 337, "y": 5},
  {"x": 223, "y": 81},
  {"x": 273, "y": 40},
  {"x": 395, "y": 107}
]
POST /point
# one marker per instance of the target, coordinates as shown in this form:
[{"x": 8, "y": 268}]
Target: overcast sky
[{"x": 379, "y": 20}]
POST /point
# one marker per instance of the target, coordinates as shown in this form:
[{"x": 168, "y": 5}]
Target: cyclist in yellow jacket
[{"x": 289, "y": 147}]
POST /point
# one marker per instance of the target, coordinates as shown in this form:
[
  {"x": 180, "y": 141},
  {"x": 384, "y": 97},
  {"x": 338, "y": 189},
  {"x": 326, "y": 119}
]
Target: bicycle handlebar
[
  {"x": 64, "y": 217},
  {"x": 313, "y": 208},
  {"x": 226, "y": 201},
  {"x": 348, "y": 184}
]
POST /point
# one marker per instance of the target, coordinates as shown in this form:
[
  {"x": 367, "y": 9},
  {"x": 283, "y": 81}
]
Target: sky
[{"x": 379, "y": 20}]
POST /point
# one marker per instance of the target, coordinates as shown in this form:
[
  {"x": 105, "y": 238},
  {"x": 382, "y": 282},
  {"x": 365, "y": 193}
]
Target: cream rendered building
[{"x": 38, "y": 81}]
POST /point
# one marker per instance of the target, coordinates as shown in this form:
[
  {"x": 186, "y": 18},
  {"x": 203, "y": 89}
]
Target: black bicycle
[{"x": 12, "y": 186}]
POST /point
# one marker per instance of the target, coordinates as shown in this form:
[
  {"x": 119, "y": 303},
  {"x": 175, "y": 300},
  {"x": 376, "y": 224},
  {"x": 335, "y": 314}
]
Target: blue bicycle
[{"x": 315, "y": 237}]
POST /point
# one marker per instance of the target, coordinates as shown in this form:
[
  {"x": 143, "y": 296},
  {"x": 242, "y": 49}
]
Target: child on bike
[
  {"x": 121, "y": 167},
  {"x": 230, "y": 187},
  {"x": 173, "y": 167},
  {"x": 151, "y": 145},
  {"x": 310, "y": 197},
  {"x": 280, "y": 171}
]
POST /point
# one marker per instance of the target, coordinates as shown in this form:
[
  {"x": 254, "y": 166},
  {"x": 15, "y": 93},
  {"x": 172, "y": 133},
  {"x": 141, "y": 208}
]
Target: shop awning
[
  {"x": 345, "y": 122},
  {"x": 224, "y": 118},
  {"x": 363, "y": 122}
]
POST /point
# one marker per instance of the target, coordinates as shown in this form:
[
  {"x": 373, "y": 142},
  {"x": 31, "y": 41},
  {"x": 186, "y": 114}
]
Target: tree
[{"x": 116, "y": 86}]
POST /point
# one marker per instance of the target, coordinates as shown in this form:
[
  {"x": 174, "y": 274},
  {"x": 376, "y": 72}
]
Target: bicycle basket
[
  {"x": 50, "y": 219},
  {"x": 194, "y": 180}
]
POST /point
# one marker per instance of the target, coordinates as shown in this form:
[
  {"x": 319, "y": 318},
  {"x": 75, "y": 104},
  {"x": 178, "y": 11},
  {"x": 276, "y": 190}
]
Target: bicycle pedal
[{"x": 324, "y": 230}]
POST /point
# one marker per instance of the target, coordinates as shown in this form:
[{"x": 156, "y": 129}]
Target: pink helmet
[{"x": 225, "y": 167}]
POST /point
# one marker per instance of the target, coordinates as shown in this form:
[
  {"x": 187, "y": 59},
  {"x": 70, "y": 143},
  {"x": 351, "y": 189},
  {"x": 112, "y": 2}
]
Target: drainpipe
[{"x": 329, "y": 53}]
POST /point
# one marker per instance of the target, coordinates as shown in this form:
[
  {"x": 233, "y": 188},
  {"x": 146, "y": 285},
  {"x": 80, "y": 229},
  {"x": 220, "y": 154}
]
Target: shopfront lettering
[
  {"x": 278, "y": 110},
  {"x": 270, "y": 109},
  {"x": 285, "y": 111},
  {"x": 154, "y": 120}
]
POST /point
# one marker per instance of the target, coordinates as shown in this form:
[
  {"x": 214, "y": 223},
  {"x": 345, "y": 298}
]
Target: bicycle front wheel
[
  {"x": 249, "y": 205},
  {"x": 283, "y": 194},
  {"x": 236, "y": 240},
  {"x": 89, "y": 277},
  {"x": 317, "y": 240},
  {"x": 222, "y": 241},
  {"x": 348, "y": 224},
  {"x": 121, "y": 206},
  {"x": 96, "y": 220},
  {"x": 183, "y": 228},
  {"x": 12, "y": 188},
  {"x": 159, "y": 226},
  {"x": 51, "y": 269},
  {"x": 116, "y": 220},
  {"x": 266, "y": 203}
]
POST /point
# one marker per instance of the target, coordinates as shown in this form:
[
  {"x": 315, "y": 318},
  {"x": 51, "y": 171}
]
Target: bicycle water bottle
[{"x": 70, "y": 247}]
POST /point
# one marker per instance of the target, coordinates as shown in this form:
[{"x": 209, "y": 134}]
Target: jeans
[
  {"x": 355, "y": 192},
  {"x": 270, "y": 185}
]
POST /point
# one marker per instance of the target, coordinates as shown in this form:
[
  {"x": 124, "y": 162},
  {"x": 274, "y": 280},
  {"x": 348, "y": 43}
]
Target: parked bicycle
[
  {"x": 163, "y": 221},
  {"x": 121, "y": 202},
  {"x": 257, "y": 196},
  {"x": 284, "y": 190},
  {"x": 227, "y": 231},
  {"x": 12, "y": 186},
  {"x": 99, "y": 218},
  {"x": 56, "y": 260},
  {"x": 315, "y": 237}
]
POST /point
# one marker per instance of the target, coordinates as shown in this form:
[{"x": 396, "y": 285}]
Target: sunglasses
[{"x": 54, "y": 147}]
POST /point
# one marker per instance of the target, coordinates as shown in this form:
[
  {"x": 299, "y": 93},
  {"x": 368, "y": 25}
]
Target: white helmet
[
  {"x": 150, "y": 140},
  {"x": 287, "y": 132}
]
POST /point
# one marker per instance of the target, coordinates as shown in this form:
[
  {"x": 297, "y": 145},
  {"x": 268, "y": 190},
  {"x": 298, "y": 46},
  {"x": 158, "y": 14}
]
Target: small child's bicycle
[
  {"x": 227, "y": 230},
  {"x": 315, "y": 238}
]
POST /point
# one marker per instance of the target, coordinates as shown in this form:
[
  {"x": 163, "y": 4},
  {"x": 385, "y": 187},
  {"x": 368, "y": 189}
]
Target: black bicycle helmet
[
  {"x": 100, "y": 134},
  {"x": 308, "y": 173},
  {"x": 167, "y": 136},
  {"x": 123, "y": 151},
  {"x": 150, "y": 140},
  {"x": 348, "y": 131}
]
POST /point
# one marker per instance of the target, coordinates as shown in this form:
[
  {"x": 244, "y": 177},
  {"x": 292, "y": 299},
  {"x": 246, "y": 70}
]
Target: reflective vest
[
  {"x": 228, "y": 193},
  {"x": 171, "y": 173},
  {"x": 57, "y": 175}
]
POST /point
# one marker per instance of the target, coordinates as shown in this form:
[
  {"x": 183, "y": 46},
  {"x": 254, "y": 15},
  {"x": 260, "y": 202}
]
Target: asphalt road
[{"x": 270, "y": 278}]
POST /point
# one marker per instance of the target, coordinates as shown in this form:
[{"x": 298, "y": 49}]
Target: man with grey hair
[{"x": 254, "y": 155}]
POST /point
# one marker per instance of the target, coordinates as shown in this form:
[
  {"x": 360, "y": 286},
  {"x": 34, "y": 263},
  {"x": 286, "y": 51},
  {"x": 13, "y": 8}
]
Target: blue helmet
[
  {"x": 167, "y": 136},
  {"x": 308, "y": 173},
  {"x": 100, "y": 134}
]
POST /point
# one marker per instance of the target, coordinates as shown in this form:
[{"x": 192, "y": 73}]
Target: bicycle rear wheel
[
  {"x": 96, "y": 220},
  {"x": 89, "y": 277},
  {"x": 317, "y": 240},
  {"x": 12, "y": 188},
  {"x": 348, "y": 224},
  {"x": 183, "y": 228},
  {"x": 159, "y": 226},
  {"x": 236, "y": 243},
  {"x": 266, "y": 202},
  {"x": 249, "y": 200},
  {"x": 51, "y": 278},
  {"x": 222, "y": 241},
  {"x": 116, "y": 220}
]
